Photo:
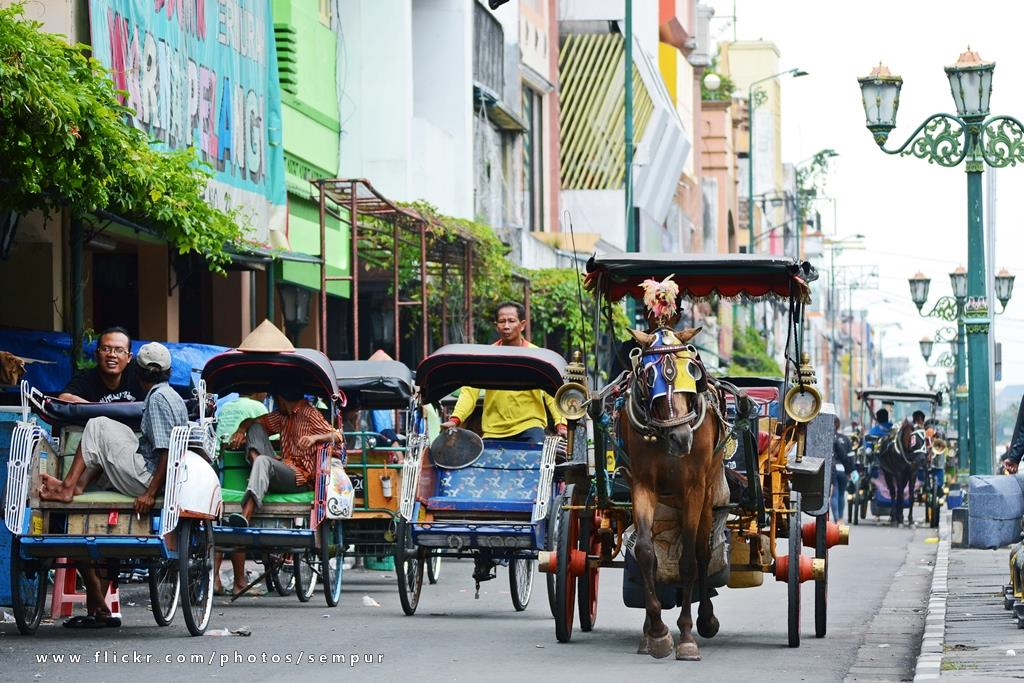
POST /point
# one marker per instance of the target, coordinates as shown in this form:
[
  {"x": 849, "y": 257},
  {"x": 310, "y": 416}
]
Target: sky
[{"x": 913, "y": 214}]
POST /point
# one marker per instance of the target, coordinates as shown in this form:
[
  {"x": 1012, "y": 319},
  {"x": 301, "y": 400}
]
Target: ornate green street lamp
[
  {"x": 930, "y": 378},
  {"x": 926, "y": 348},
  {"x": 974, "y": 137},
  {"x": 1004, "y": 287}
]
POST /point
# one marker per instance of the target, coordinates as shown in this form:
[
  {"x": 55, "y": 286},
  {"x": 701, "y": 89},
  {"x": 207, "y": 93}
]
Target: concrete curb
[{"x": 929, "y": 662}]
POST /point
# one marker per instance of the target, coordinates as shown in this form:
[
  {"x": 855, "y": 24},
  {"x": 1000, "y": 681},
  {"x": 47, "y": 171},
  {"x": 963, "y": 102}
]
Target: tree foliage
[
  {"x": 65, "y": 141},
  {"x": 750, "y": 355}
]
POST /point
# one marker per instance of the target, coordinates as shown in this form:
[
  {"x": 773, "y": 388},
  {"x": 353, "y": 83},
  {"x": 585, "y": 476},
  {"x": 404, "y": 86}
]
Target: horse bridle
[
  {"x": 898, "y": 444},
  {"x": 644, "y": 378}
]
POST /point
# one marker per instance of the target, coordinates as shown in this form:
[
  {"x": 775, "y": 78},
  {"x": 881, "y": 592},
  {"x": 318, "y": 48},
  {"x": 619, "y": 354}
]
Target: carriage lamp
[
  {"x": 880, "y": 95},
  {"x": 926, "y": 348},
  {"x": 803, "y": 400},
  {"x": 930, "y": 378},
  {"x": 571, "y": 399},
  {"x": 958, "y": 282},
  {"x": 970, "y": 81},
  {"x": 1004, "y": 287},
  {"x": 919, "y": 289}
]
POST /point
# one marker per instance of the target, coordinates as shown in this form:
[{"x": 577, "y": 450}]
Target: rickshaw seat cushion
[
  {"x": 113, "y": 498},
  {"x": 478, "y": 504},
  {"x": 506, "y": 472},
  {"x": 235, "y": 496}
]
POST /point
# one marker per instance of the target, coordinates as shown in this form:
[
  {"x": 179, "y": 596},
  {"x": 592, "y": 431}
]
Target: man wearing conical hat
[{"x": 301, "y": 427}]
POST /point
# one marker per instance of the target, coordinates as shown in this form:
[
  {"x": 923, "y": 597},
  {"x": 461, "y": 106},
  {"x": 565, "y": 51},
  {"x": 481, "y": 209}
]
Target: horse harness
[
  {"x": 665, "y": 368},
  {"x": 919, "y": 436}
]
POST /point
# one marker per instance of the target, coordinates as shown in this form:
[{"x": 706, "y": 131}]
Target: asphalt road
[{"x": 878, "y": 588}]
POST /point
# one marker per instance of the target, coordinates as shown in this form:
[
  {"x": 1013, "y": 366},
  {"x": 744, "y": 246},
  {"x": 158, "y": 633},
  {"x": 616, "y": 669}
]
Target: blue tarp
[{"x": 51, "y": 377}]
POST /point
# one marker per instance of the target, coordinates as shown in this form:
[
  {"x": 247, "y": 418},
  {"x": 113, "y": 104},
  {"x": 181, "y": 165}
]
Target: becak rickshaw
[
  {"x": 382, "y": 426},
  {"x": 99, "y": 529},
  {"x": 483, "y": 499},
  {"x": 301, "y": 531}
]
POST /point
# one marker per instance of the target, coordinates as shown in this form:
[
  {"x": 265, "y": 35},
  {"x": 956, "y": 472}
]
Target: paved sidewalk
[{"x": 968, "y": 634}]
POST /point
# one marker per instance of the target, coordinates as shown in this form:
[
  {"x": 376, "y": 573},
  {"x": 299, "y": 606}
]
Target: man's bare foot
[
  {"x": 50, "y": 482},
  {"x": 63, "y": 495}
]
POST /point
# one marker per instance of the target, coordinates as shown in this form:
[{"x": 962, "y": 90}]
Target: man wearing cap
[{"x": 114, "y": 457}]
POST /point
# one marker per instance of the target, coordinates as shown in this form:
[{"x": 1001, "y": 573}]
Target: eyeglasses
[{"x": 114, "y": 350}]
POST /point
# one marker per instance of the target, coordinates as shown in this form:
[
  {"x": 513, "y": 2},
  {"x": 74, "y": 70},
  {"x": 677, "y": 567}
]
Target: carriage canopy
[
  {"x": 888, "y": 395},
  {"x": 251, "y": 371},
  {"x": 375, "y": 385},
  {"x": 488, "y": 367},
  {"x": 699, "y": 276}
]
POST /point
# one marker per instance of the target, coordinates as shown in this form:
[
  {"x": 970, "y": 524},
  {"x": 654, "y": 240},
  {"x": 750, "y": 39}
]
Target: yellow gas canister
[{"x": 744, "y": 567}]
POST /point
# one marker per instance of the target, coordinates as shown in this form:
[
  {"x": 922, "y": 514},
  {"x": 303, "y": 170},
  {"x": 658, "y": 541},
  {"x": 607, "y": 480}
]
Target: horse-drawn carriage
[
  {"x": 899, "y": 468},
  {"x": 295, "y": 535},
  {"x": 99, "y": 529},
  {"x": 491, "y": 503},
  {"x": 692, "y": 479}
]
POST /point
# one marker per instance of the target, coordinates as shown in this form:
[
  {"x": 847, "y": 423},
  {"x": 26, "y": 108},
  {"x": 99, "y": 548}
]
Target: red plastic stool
[{"x": 65, "y": 593}]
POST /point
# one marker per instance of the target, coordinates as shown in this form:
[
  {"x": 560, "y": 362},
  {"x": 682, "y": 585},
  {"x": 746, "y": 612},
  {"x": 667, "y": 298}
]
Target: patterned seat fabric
[{"x": 504, "y": 477}]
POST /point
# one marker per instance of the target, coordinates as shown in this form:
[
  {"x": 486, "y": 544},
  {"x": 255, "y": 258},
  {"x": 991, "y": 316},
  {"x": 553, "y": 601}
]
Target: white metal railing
[
  {"x": 202, "y": 436},
  {"x": 24, "y": 440},
  {"x": 547, "y": 474},
  {"x": 411, "y": 473}
]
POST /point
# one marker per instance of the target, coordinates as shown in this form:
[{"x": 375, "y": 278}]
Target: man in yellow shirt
[{"x": 509, "y": 415}]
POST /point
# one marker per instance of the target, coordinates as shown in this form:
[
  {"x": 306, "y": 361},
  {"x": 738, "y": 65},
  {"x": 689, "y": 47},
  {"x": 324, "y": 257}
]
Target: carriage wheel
[
  {"x": 520, "y": 581},
  {"x": 28, "y": 589},
  {"x": 433, "y": 567},
  {"x": 551, "y": 544},
  {"x": 821, "y": 585},
  {"x": 565, "y": 582},
  {"x": 280, "y": 574},
  {"x": 331, "y": 552},
  {"x": 590, "y": 543},
  {"x": 305, "y": 577},
  {"x": 195, "y": 572},
  {"x": 793, "y": 580},
  {"x": 409, "y": 565},
  {"x": 164, "y": 579},
  {"x": 855, "y": 508}
]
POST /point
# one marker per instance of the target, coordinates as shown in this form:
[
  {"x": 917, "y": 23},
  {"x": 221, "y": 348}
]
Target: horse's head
[{"x": 668, "y": 379}]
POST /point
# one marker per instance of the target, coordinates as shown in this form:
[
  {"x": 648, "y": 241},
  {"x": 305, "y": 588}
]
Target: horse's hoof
[
  {"x": 706, "y": 628},
  {"x": 688, "y": 652},
  {"x": 662, "y": 647},
  {"x": 644, "y": 648}
]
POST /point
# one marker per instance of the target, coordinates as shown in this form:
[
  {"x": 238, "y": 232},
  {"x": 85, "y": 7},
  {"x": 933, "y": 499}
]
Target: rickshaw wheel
[
  {"x": 433, "y": 567},
  {"x": 520, "y": 581},
  {"x": 821, "y": 585},
  {"x": 164, "y": 580},
  {"x": 409, "y": 565},
  {"x": 28, "y": 589},
  {"x": 590, "y": 543},
  {"x": 332, "y": 551},
  {"x": 793, "y": 580},
  {"x": 280, "y": 576},
  {"x": 551, "y": 544},
  {"x": 565, "y": 582},
  {"x": 305, "y": 577},
  {"x": 195, "y": 577}
]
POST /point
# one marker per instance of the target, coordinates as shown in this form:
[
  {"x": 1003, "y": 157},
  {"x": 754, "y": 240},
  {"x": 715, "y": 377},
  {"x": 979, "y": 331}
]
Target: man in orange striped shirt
[{"x": 302, "y": 429}]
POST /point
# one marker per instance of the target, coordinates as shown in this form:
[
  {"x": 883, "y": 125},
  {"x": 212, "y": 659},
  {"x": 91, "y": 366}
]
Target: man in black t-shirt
[{"x": 113, "y": 379}]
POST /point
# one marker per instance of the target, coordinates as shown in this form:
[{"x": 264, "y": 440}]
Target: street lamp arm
[
  {"x": 946, "y": 360},
  {"x": 1002, "y": 142},
  {"x": 941, "y": 139},
  {"x": 945, "y": 308},
  {"x": 945, "y": 335}
]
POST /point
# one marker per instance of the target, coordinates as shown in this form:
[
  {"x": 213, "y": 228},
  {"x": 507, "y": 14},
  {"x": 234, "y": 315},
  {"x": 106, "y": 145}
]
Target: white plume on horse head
[{"x": 660, "y": 298}]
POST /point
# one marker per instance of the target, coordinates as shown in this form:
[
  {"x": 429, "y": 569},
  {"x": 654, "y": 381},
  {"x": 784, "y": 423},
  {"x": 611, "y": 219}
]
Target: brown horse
[
  {"x": 670, "y": 429},
  {"x": 900, "y": 454}
]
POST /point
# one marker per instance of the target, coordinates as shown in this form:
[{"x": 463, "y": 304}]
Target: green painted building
[{"x": 307, "y": 53}]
